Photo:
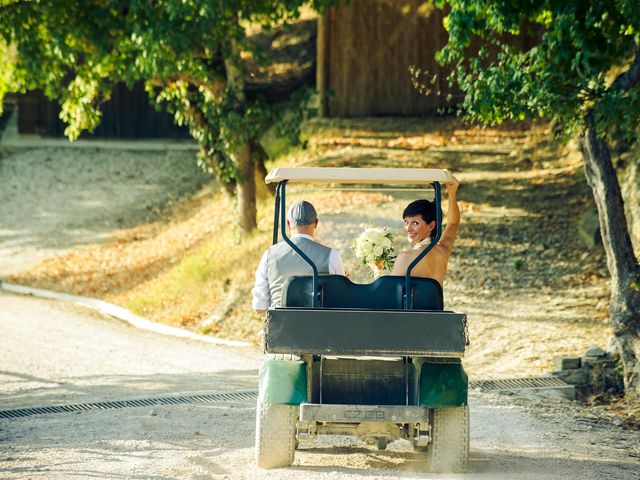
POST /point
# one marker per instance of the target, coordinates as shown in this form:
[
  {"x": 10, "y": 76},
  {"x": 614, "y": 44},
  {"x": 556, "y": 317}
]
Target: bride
[{"x": 420, "y": 224}]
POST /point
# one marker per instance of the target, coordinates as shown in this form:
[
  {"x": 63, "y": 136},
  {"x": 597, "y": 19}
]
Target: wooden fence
[
  {"x": 128, "y": 114},
  {"x": 366, "y": 50}
]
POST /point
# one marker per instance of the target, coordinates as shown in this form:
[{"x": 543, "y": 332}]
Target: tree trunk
[
  {"x": 246, "y": 189},
  {"x": 213, "y": 158},
  {"x": 624, "y": 306},
  {"x": 241, "y": 154},
  {"x": 322, "y": 69},
  {"x": 259, "y": 157}
]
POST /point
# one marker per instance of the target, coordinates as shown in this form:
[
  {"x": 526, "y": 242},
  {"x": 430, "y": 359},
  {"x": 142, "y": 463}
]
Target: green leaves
[
  {"x": 77, "y": 50},
  {"x": 8, "y": 59},
  {"x": 578, "y": 47}
]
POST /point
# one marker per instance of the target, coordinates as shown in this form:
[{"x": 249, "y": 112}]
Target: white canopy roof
[{"x": 387, "y": 176}]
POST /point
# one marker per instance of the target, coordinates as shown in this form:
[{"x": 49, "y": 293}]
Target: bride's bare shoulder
[
  {"x": 403, "y": 260},
  {"x": 406, "y": 255}
]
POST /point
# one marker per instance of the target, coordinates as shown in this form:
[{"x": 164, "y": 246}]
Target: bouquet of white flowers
[{"x": 374, "y": 247}]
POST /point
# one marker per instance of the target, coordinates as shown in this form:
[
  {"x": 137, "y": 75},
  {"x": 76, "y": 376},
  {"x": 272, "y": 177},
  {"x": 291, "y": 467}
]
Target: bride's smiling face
[{"x": 417, "y": 228}]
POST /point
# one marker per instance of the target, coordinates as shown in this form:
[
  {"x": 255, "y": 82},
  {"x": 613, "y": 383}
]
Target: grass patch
[
  {"x": 210, "y": 281},
  {"x": 204, "y": 286}
]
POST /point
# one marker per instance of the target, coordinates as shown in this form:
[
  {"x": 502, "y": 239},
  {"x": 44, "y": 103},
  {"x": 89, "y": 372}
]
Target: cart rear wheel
[
  {"x": 448, "y": 450},
  {"x": 275, "y": 435}
]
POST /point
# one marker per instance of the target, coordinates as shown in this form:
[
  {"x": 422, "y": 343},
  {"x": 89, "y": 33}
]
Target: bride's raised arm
[{"x": 453, "y": 219}]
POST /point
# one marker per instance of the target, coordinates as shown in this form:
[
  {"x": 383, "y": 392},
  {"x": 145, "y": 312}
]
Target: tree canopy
[
  {"x": 583, "y": 72},
  {"x": 581, "y": 48},
  {"x": 189, "y": 54}
]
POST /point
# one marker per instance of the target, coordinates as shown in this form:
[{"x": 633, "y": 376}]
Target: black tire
[
  {"x": 448, "y": 450},
  {"x": 275, "y": 435}
]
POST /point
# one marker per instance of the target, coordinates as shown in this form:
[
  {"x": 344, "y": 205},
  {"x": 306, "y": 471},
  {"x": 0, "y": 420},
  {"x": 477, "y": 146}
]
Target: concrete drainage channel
[
  {"x": 243, "y": 397},
  {"x": 532, "y": 385}
]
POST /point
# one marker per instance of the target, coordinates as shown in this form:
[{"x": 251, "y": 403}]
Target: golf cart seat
[{"x": 385, "y": 293}]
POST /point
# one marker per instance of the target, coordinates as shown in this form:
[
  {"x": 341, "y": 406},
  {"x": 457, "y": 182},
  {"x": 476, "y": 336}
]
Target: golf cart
[{"x": 379, "y": 361}]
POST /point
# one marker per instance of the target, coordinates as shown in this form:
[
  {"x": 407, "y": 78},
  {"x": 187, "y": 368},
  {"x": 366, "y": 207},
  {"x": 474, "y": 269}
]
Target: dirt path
[
  {"x": 529, "y": 289},
  {"x": 57, "y": 198},
  {"x": 99, "y": 359}
]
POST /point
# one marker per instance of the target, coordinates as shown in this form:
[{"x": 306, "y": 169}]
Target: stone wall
[{"x": 597, "y": 372}]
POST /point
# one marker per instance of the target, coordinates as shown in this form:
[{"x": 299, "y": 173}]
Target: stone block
[
  {"x": 566, "y": 363},
  {"x": 599, "y": 362},
  {"x": 589, "y": 229},
  {"x": 576, "y": 376},
  {"x": 595, "y": 352}
]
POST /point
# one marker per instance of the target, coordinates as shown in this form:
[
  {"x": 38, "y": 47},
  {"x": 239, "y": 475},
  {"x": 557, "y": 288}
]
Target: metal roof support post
[
  {"x": 276, "y": 215},
  {"x": 408, "y": 305},
  {"x": 283, "y": 231}
]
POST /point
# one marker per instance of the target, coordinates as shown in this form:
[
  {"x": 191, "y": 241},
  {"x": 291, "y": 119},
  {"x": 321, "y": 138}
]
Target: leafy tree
[
  {"x": 190, "y": 54},
  {"x": 583, "y": 73}
]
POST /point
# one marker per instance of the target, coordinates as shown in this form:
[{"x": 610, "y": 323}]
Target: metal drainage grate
[
  {"x": 518, "y": 383},
  {"x": 529, "y": 383},
  {"x": 147, "y": 402}
]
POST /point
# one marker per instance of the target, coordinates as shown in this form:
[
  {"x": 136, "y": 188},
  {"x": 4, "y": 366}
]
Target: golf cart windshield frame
[{"x": 329, "y": 175}]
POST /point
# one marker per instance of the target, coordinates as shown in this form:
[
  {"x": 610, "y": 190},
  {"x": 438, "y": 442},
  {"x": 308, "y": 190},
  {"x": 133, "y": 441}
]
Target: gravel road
[{"x": 57, "y": 354}]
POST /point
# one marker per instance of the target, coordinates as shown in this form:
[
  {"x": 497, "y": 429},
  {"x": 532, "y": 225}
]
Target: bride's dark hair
[{"x": 425, "y": 208}]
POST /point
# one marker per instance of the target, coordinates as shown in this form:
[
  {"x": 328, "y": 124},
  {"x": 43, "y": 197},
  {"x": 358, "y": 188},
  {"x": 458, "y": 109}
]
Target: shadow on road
[{"x": 30, "y": 391}]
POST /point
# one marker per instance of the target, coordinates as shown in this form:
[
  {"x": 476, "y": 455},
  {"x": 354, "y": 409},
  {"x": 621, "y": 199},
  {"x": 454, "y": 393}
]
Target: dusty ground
[
  {"x": 530, "y": 291},
  {"x": 57, "y": 198},
  {"x": 529, "y": 287},
  {"x": 99, "y": 359}
]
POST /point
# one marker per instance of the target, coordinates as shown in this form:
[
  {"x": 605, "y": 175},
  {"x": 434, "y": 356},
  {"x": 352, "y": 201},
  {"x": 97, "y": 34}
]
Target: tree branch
[
  {"x": 630, "y": 78},
  {"x": 216, "y": 87}
]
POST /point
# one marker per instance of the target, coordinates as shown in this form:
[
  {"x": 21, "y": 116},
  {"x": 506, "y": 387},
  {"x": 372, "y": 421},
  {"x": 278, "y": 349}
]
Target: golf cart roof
[{"x": 387, "y": 176}]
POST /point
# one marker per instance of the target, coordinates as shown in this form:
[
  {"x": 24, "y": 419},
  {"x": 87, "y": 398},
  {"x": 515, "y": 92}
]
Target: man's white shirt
[{"x": 261, "y": 295}]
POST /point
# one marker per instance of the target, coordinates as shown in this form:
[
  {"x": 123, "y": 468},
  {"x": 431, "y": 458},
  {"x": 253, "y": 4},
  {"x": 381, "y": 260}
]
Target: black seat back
[{"x": 385, "y": 293}]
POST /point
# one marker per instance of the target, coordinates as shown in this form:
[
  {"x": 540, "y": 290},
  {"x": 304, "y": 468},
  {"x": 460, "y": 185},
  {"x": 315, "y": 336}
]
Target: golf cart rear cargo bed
[{"x": 365, "y": 332}]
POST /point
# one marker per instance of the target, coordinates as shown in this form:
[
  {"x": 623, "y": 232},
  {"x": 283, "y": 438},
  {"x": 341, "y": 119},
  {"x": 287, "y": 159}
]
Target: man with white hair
[{"x": 280, "y": 261}]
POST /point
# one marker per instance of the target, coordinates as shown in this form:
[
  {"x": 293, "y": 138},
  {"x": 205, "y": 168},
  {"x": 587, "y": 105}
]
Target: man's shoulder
[
  {"x": 298, "y": 241},
  {"x": 323, "y": 245},
  {"x": 312, "y": 241}
]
